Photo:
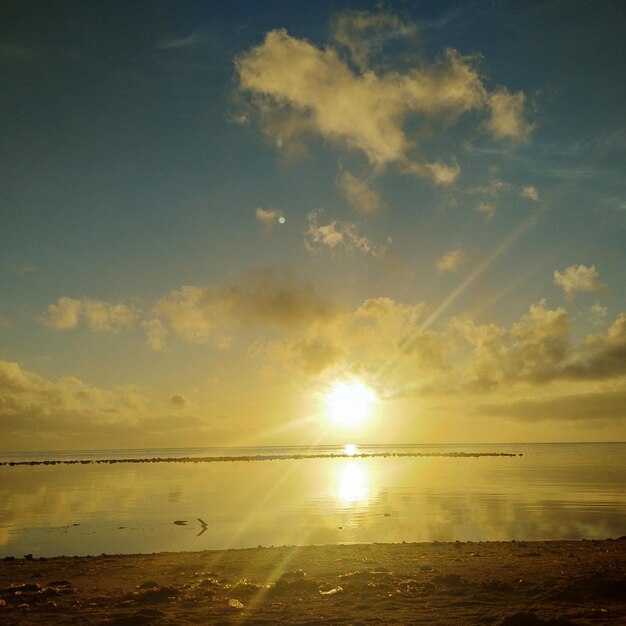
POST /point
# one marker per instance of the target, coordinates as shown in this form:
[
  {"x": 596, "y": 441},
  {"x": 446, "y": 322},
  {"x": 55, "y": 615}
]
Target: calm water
[{"x": 553, "y": 491}]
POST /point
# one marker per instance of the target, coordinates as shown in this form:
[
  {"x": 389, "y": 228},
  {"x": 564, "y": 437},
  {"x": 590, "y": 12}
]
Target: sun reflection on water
[{"x": 353, "y": 484}]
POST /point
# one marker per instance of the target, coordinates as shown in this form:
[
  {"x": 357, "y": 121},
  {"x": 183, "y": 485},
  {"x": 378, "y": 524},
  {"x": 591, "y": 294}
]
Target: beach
[{"x": 507, "y": 583}]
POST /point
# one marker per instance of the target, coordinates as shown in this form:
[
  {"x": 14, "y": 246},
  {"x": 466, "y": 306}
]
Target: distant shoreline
[{"x": 260, "y": 457}]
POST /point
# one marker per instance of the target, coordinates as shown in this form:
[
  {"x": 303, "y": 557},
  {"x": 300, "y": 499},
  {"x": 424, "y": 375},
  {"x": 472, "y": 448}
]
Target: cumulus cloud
[
  {"x": 530, "y": 192},
  {"x": 578, "y": 278},
  {"x": 339, "y": 235},
  {"x": 206, "y": 313},
  {"x": 539, "y": 344},
  {"x": 26, "y": 398},
  {"x": 451, "y": 261},
  {"x": 99, "y": 315},
  {"x": 605, "y": 354},
  {"x": 360, "y": 341},
  {"x": 298, "y": 89},
  {"x": 36, "y": 413},
  {"x": 268, "y": 218},
  {"x": 360, "y": 194}
]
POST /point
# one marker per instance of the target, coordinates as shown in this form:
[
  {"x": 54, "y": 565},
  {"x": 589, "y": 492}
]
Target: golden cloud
[
  {"x": 298, "y": 89},
  {"x": 98, "y": 315}
]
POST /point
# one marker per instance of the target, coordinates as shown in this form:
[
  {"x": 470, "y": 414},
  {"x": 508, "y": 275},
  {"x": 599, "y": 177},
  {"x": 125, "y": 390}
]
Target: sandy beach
[{"x": 508, "y": 583}]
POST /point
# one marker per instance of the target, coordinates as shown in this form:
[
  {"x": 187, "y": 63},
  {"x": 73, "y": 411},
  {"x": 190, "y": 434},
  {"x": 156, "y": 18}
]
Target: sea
[{"x": 154, "y": 500}]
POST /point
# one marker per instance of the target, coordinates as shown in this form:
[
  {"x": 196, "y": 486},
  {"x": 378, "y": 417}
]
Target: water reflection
[
  {"x": 51, "y": 510},
  {"x": 353, "y": 484}
]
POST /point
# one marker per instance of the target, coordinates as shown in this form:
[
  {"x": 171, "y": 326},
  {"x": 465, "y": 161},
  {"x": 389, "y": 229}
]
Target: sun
[{"x": 349, "y": 403}]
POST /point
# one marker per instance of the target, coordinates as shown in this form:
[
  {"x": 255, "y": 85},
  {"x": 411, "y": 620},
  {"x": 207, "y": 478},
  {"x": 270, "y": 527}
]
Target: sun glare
[{"x": 350, "y": 403}]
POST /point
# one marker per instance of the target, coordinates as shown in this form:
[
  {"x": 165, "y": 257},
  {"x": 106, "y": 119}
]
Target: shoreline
[{"x": 517, "y": 582}]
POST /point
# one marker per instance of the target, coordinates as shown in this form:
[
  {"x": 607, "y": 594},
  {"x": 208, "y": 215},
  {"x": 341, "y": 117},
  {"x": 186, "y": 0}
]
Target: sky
[{"x": 213, "y": 213}]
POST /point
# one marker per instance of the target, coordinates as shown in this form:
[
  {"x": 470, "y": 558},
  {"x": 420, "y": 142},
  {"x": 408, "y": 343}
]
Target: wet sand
[{"x": 507, "y": 583}]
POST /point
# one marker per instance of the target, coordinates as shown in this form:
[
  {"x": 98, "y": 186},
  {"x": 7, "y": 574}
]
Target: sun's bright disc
[{"x": 349, "y": 403}]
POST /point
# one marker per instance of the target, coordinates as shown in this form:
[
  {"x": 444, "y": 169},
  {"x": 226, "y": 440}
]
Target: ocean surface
[{"x": 245, "y": 497}]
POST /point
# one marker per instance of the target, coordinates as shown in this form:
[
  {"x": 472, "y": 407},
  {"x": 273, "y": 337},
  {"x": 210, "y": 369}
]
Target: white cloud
[
  {"x": 530, "y": 192},
  {"x": 99, "y": 315},
  {"x": 359, "y": 193},
  {"x": 451, "y": 261},
  {"x": 339, "y": 235},
  {"x": 488, "y": 210},
  {"x": 578, "y": 278}
]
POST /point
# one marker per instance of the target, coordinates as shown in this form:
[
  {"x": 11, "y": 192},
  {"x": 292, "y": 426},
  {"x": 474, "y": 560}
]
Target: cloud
[
  {"x": 193, "y": 40},
  {"x": 539, "y": 344},
  {"x": 492, "y": 188},
  {"x": 99, "y": 315},
  {"x": 451, "y": 261},
  {"x": 596, "y": 406},
  {"x": 268, "y": 218},
  {"x": 178, "y": 402},
  {"x": 530, "y": 192},
  {"x": 339, "y": 235},
  {"x": 358, "y": 341},
  {"x": 299, "y": 90},
  {"x": 206, "y": 313},
  {"x": 26, "y": 398},
  {"x": 359, "y": 193},
  {"x": 578, "y": 278},
  {"x": 488, "y": 210},
  {"x": 598, "y": 311},
  {"x": 507, "y": 115},
  {"x": 605, "y": 354},
  {"x": 37, "y": 413},
  {"x": 156, "y": 333},
  {"x": 443, "y": 174},
  {"x": 363, "y": 34},
  {"x": 538, "y": 350}
]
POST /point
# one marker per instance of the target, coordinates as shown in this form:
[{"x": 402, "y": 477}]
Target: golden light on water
[
  {"x": 350, "y": 449},
  {"x": 353, "y": 484},
  {"x": 350, "y": 403}
]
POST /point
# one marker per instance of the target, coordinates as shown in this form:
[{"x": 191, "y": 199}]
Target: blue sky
[{"x": 449, "y": 174}]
